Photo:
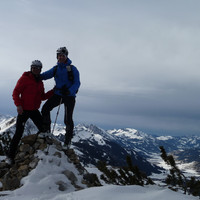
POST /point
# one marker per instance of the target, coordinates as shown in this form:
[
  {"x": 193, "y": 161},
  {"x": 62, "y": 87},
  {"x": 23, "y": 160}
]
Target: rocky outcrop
[{"x": 27, "y": 159}]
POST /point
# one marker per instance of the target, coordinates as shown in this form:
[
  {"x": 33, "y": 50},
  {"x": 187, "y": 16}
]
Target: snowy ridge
[
  {"x": 93, "y": 143},
  {"x": 100, "y": 193},
  {"x": 128, "y": 132}
]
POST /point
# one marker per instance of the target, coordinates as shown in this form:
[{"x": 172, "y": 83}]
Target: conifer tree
[
  {"x": 176, "y": 177},
  {"x": 126, "y": 175}
]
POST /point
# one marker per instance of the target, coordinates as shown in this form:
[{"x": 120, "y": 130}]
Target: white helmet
[{"x": 36, "y": 63}]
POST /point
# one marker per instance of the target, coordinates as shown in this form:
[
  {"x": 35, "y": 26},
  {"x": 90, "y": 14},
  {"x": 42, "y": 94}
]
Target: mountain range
[{"x": 93, "y": 144}]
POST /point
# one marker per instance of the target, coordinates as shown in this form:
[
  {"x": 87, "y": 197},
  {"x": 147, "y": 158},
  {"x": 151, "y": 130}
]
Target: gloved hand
[
  {"x": 19, "y": 110},
  {"x": 65, "y": 91}
]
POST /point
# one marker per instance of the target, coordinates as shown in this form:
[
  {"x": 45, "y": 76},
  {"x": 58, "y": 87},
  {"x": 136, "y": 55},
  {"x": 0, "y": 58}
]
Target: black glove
[{"x": 65, "y": 91}]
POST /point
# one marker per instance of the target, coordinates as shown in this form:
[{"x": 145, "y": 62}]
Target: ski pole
[
  {"x": 55, "y": 122},
  {"x": 56, "y": 115}
]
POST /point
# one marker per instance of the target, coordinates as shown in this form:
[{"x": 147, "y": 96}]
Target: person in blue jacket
[{"x": 67, "y": 81}]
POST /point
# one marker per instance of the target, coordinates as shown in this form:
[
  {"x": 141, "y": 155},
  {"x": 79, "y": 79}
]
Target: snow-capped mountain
[
  {"x": 96, "y": 144},
  {"x": 143, "y": 145},
  {"x": 185, "y": 148},
  {"x": 93, "y": 144},
  {"x": 146, "y": 143}
]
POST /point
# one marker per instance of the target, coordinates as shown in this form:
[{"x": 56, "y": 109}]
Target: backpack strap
[
  {"x": 55, "y": 70},
  {"x": 69, "y": 71}
]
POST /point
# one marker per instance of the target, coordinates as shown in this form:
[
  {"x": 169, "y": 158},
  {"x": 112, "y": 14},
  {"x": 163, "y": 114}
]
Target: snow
[
  {"x": 43, "y": 181},
  {"x": 188, "y": 169},
  {"x": 106, "y": 192},
  {"x": 49, "y": 168},
  {"x": 6, "y": 124},
  {"x": 42, "y": 184},
  {"x": 85, "y": 135},
  {"x": 99, "y": 139},
  {"x": 82, "y": 135},
  {"x": 129, "y": 193},
  {"x": 128, "y": 132},
  {"x": 164, "y": 137}
]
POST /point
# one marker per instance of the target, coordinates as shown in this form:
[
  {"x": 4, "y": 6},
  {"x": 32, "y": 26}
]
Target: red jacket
[{"x": 29, "y": 93}]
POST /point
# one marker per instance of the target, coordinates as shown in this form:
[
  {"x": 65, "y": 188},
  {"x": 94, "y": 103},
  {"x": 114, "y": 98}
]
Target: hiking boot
[{"x": 46, "y": 128}]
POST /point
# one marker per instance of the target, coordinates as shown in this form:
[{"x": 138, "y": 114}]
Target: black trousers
[
  {"x": 35, "y": 116},
  {"x": 55, "y": 100}
]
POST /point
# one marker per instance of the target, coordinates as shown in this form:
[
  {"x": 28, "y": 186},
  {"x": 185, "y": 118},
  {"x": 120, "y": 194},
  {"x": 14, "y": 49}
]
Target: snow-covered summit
[
  {"x": 164, "y": 138},
  {"x": 127, "y": 132},
  {"x": 42, "y": 164}
]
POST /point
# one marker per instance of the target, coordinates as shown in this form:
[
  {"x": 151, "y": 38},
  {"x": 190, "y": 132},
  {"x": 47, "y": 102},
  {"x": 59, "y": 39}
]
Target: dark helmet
[
  {"x": 36, "y": 63},
  {"x": 62, "y": 51}
]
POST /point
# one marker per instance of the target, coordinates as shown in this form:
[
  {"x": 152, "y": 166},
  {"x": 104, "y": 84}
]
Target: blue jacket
[{"x": 61, "y": 78}]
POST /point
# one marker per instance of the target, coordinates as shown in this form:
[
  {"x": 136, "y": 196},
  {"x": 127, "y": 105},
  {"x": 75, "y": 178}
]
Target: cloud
[{"x": 138, "y": 60}]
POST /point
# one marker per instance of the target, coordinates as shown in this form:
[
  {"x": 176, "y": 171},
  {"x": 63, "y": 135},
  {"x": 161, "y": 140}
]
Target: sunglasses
[
  {"x": 61, "y": 54},
  {"x": 36, "y": 67}
]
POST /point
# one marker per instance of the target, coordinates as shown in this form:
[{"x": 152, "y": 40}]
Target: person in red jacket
[{"x": 27, "y": 95}]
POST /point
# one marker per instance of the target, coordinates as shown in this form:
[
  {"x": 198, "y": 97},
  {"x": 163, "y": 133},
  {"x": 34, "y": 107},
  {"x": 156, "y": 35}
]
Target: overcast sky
[{"x": 139, "y": 60}]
